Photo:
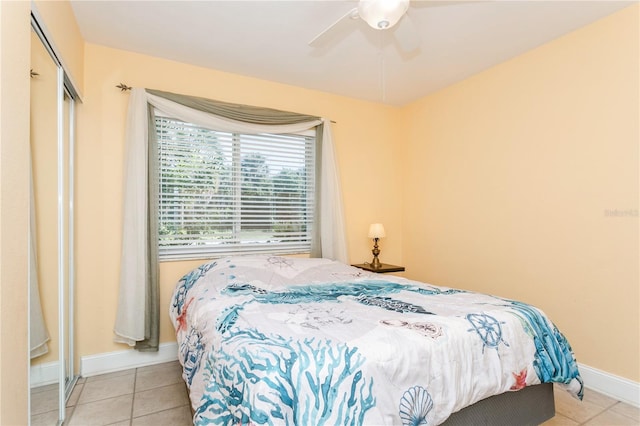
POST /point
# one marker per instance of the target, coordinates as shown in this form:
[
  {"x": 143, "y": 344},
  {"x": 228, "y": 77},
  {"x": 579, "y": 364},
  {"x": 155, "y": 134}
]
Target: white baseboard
[
  {"x": 622, "y": 389},
  {"x": 44, "y": 374},
  {"x": 608, "y": 384},
  {"x": 93, "y": 365}
]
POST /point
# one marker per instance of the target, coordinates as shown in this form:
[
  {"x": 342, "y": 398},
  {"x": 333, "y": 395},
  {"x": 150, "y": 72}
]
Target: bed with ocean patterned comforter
[{"x": 287, "y": 341}]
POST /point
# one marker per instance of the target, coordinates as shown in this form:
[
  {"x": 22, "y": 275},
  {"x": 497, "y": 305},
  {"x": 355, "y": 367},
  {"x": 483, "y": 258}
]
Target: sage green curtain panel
[{"x": 237, "y": 112}]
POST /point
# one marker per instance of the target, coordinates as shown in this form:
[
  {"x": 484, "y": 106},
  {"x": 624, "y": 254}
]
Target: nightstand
[{"x": 384, "y": 267}]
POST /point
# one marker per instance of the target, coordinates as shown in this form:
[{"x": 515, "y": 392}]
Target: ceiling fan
[
  {"x": 383, "y": 15},
  {"x": 379, "y": 15}
]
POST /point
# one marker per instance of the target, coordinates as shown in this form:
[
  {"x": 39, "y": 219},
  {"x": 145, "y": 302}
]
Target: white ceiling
[{"x": 269, "y": 39}]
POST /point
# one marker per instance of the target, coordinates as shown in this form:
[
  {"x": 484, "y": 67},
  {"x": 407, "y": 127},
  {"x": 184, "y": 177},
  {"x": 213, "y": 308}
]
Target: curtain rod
[{"x": 124, "y": 88}]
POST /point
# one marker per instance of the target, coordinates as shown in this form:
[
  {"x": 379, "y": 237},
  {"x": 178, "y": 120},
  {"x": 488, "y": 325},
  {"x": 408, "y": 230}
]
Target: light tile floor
[
  {"x": 595, "y": 409},
  {"x": 156, "y": 395}
]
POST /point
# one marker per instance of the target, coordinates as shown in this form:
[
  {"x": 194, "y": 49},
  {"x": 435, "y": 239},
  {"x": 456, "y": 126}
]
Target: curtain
[
  {"x": 137, "y": 319},
  {"x": 38, "y": 334}
]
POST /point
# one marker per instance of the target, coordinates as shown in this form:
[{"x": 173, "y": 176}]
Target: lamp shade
[
  {"x": 381, "y": 14},
  {"x": 376, "y": 230}
]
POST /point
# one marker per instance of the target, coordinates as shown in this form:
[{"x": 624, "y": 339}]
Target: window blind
[{"x": 231, "y": 193}]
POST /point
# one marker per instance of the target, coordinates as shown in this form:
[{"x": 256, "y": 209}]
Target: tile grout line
[
  {"x": 602, "y": 411},
  {"x": 73, "y": 409},
  {"x": 133, "y": 398},
  {"x": 623, "y": 414},
  {"x": 609, "y": 409}
]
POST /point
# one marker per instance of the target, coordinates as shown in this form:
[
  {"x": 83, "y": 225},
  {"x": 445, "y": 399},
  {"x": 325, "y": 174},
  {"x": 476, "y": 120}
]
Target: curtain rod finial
[{"x": 123, "y": 87}]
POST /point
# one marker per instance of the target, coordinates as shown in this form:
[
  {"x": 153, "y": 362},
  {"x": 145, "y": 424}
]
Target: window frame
[{"x": 239, "y": 246}]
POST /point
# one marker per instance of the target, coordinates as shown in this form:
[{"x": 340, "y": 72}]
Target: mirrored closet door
[{"x": 53, "y": 372}]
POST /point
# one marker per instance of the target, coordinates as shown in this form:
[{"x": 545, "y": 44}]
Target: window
[{"x": 224, "y": 193}]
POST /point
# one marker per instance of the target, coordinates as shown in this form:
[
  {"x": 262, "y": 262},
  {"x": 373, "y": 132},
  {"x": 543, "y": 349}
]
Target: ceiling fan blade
[
  {"x": 406, "y": 35},
  {"x": 343, "y": 24}
]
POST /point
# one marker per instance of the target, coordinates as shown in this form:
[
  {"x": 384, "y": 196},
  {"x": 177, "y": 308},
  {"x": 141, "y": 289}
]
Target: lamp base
[{"x": 375, "y": 263}]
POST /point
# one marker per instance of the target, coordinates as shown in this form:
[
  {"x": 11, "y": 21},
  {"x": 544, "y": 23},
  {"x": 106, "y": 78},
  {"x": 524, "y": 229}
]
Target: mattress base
[{"x": 532, "y": 405}]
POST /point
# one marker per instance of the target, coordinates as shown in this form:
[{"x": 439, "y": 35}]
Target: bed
[{"x": 278, "y": 340}]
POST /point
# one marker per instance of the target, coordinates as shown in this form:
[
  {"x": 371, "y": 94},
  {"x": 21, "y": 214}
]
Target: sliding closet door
[
  {"x": 53, "y": 372},
  {"x": 66, "y": 236},
  {"x": 45, "y": 377}
]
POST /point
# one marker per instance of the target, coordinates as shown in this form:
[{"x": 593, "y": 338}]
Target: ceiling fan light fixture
[{"x": 382, "y": 14}]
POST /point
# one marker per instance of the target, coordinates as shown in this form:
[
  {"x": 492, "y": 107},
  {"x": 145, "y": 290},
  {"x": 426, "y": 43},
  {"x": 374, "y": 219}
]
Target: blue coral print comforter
[{"x": 284, "y": 341}]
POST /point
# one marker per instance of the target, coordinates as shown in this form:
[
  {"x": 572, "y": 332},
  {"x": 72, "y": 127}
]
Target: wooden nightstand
[{"x": 384, "y": 267}]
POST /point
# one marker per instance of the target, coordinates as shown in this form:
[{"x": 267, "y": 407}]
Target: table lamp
[{"x": 376, "y": 231}]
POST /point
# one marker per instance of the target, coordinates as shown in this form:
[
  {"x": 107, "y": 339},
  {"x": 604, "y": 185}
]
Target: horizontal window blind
[{"x": 230, "y": 193}]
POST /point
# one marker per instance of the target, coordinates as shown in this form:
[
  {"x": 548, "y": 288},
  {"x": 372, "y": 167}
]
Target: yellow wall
[
  {"x": 513, "y": 177},
  {"x": 365, "y": 134},
  {"x": 14, "y": 209}
]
